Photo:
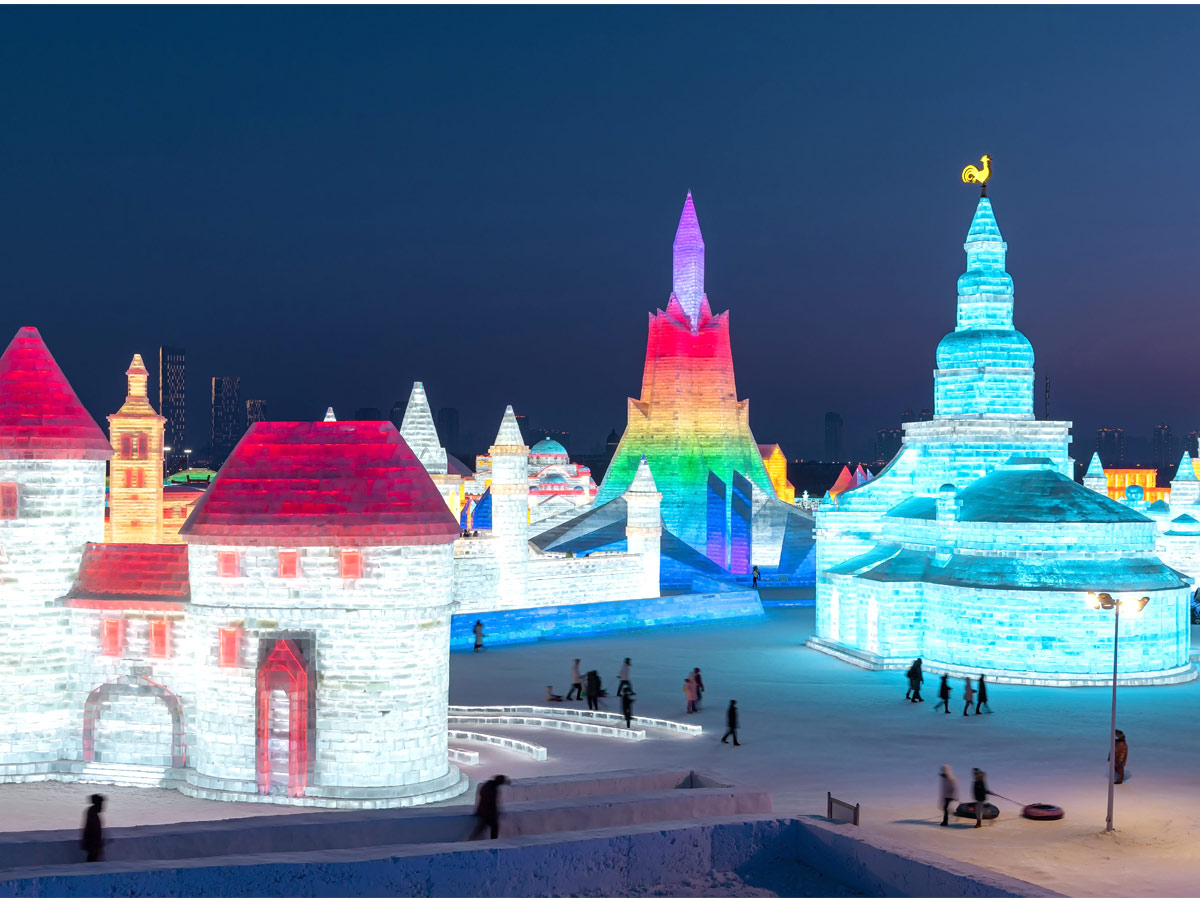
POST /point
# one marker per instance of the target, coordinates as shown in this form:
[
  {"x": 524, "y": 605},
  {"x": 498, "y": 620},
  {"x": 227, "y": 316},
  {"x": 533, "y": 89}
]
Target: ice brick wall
[
  {"x": 60, "y": 507},
  {"x": 379, "y": 645}
]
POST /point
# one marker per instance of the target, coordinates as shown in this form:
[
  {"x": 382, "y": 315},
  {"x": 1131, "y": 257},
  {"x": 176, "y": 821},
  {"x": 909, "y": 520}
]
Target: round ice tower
[
  {"x": 985, "y": 366},
  {"x": 52, "y": 457}
]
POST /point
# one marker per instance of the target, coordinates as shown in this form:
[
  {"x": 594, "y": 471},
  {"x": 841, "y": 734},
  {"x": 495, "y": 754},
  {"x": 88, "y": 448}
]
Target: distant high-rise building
[
  {"x": 172, "y": 404},
  {"x": 925, "y": 415},
  {"x": 1191, "y": 443},
  {"x": 887, "y": 444},
  {"x": 1163, "y": 452},
  {"x": 369, "y": 414},
  {"x": 256, "y": 411},
  {"x": 833, "y": 437},
  {"x": 228, "y": 416},
  {"x": 1110, "y": 444},
  {"x": 447, "y": 427}
]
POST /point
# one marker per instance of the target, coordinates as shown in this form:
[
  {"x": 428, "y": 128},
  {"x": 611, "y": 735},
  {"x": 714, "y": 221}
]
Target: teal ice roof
[
  {"x": 889, "y": 563},
  {"x": 548, "y": 447},
  {"x": 1095, "y": 467},
  {"x": 1026, "y": 490},
  {"x": 914, "y": 508},
  {"x": 1185, "y": 472}
]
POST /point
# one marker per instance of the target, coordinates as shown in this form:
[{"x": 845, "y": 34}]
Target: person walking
[
  {"x": 754, "y": 576},
  {"x": 1122, "y": 756},
  {"x": 690, "y": 693},
  {"x": 623, "y": 679},
  {"x": 944, "y": 695},
  {"x": 948, "y": 788},
  {"x": 981, "y": 696},
  {"x": 576, "y": 682},
  {"x": 478, "y": 630},
  {"x": 699, "y": 686},
  {"x": 968, "y": 696},
  {"x": 593, "y": 689},
  {"x": 915, "y": 679},
  {"x": 93, "y": 830},
  {"x": 487, "y": 807},
  {"x": 981, "y": 794},
  {"x": 731, "y": 719},
  {"x": 627, "y": 708}
]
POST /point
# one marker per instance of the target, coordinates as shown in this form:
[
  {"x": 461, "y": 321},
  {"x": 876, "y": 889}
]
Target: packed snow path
[{"x": 812, "y": 724}]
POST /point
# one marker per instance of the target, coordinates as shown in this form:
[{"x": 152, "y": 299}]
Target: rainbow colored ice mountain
[{"x": 694, "y": 432}]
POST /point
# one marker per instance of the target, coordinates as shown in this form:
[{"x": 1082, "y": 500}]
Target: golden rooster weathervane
[{"x": 974, "y": 175}]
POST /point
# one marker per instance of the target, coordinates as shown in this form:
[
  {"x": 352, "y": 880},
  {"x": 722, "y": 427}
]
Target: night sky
[{"x": 334, "y": 202}]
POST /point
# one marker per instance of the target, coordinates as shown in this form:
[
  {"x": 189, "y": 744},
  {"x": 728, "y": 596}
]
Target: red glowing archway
[{"x": 284, "y": 669}]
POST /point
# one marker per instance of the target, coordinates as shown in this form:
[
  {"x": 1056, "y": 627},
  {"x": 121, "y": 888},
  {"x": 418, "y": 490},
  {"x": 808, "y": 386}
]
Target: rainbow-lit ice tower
[{"x": 689, "y": 424}]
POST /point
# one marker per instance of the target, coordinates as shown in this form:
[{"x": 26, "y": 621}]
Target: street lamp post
[
  {"x": 166, "y": 462},
  {"x": 1106, "y": 601},
  {"x": 187, "y": 457}
]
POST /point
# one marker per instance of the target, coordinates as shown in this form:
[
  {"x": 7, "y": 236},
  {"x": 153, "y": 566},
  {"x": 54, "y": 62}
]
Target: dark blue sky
[{"x": 333, "y": 202}]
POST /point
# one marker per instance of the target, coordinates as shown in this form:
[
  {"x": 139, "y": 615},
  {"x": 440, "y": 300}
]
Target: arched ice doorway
[
  {"x": 285, "y": 697},
  {"x": 121, "y": 724}
]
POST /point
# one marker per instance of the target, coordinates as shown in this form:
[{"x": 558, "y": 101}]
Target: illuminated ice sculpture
[{"x": 974, "y": 548}]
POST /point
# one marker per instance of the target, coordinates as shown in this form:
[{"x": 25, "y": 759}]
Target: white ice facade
[
  {"x": 974, "y": 548},
  {"x": 294, "y": 651}
]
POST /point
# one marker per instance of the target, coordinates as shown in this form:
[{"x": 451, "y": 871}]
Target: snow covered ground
[{"x": 812, "y": 724}]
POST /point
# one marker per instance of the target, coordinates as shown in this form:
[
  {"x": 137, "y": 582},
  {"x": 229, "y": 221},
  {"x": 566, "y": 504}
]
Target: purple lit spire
[{"x": 687, "y": 282}]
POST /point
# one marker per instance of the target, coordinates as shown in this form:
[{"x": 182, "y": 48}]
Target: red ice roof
[
  {"x": 40, "y": 416},
  {"x": 321, "y": 483},
  {"x": 132, "y": 575}
]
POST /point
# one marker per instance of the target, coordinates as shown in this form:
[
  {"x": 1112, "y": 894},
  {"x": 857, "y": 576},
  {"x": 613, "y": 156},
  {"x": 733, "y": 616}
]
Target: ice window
[
  {"x": 227, "y": 563},
  {"x": 289, "y": 563},
  {"x": 229, "y": 646},
  {"x": 112, "y": 636},
  {"x": 126, "y": 446},
  {"x": 160, "y": 630},
  {"x": 9, "y": 500},
  {"x": 351, "y": 564}
]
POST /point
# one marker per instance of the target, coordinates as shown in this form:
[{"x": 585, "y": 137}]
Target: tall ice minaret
[
  {"x": 687, "y": 269},
  {"x": 510, "y": 509},
  {"x": 135, "y": 483}
]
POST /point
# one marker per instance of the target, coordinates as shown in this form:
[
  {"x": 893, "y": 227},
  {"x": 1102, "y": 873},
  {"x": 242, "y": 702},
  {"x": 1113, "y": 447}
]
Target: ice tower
[
  {"x": 974, "y": 548},
  {"x": 692, "y": 429}
]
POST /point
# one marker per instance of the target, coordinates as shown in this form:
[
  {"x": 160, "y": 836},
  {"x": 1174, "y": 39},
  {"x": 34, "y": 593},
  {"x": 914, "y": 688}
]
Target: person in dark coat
[
  {"x": 93, "y": 830},
  {"x": 754, "y": 576},
  {"x": 915, "y": 678},
  {"x": 981, "y": 794},
  {"x": 593, "y": 689},
  {"x": 627, "y": 708},
  {"x": 944, "y": 695},
  {"x": 478, "y": 631},
  {"x": 699, "y": 685},
  {"x": 731, "y": 719},
  {"x": 1122, "y": 756},
  {"x": 487, "y": 807},
  {"x": 981, "y": 696}
]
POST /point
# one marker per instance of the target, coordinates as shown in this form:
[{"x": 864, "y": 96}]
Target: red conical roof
[
  {"x": 320, "y": 484},
  {"x": 40, "y": 416}
]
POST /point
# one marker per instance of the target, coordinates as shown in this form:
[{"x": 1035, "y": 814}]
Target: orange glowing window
[
  {"x": 227, "y": 563},
  {"x": 9, "y": 500},
  {"x": 141, "y": 478},
  {"x": 289, "y": 563},
  {"x": 112, "y": 636},
  {"x": 228, "y": 647},
  {"x": 143, "y": 446},
  {"x": 129, "y": 478},
  {"x": 351, "y": 564},
  {"x": 126, "y": 446},
  {"x": 160, "y": 638}
]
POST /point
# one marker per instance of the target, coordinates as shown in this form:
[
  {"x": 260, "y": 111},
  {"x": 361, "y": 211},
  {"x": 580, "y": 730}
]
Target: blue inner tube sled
[{"x": 967, "y": 810}]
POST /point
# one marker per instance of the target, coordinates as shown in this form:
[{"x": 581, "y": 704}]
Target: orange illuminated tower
[{"x": 135, "y": 477}]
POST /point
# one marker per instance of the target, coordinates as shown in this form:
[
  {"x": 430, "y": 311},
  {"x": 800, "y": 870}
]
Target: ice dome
[{"x": 548, "y": 447}]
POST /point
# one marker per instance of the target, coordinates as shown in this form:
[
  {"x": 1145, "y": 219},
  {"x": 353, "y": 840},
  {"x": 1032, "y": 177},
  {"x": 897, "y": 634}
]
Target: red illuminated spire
[{"x": 40, "y": 415}]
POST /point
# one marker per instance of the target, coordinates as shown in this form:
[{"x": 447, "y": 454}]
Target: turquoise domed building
[{"x": 974, "y": 548}]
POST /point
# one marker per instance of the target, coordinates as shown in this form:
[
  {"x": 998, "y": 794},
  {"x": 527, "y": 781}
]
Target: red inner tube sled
[
  {"x": 1047, "y": 812},
  {"x": 967, "y": 810}
]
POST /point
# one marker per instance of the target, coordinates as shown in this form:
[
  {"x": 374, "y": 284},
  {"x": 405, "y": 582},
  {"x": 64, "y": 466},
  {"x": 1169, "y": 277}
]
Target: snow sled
[
  {"x": 967, "y": 810},
  {"x": 1043, "y": 812}
]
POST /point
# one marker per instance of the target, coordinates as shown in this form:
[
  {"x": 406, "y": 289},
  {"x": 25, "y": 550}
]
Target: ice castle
[
  {"x": 974, "y": 548},
  {"x": 721, "y": 511}
]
